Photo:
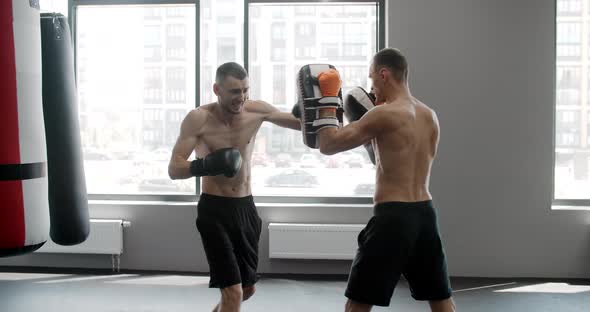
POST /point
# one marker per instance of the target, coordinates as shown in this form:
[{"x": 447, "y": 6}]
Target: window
[
  {"x": 304, "y": 52},
  {"x": 226, "y": 50},
  {"x": 279, "y": 97},
  {"x": 568, "y": 88},
  {"x": 176, "y": 85},
  {"x": 305, "y": 29},
  {"x": 205, "y": 10},
  {"x": 278, "y": 54},
  {"x": 252, "y": 42},
  {"x": 569, "y": 7},
  {"x": 57, "y": 6},
  {"x": 278, "y": 31},
  {"x": 569, "y": 39},
  {"x": 152, "y": 86},
  {"x": 304, "y": 10},
  {"x": 353, "y": 75},
  {"x": 175, "y": 12},
  {"x": 221, "y": 42},
  {"x": 305, "y": 36},
  {"x": 130, "y": 118},
  {"x": 284, "y": 166},
  {"x": 152, "y": 42},
  {"x": 136, "y": 80},
  {"x": 207, "y": 76},
  {"x": 254, "y": 71},
  {"x": 572, "y": 116}
]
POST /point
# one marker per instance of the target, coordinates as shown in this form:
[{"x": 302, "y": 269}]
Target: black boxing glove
[{"x": 226, "y": 161}]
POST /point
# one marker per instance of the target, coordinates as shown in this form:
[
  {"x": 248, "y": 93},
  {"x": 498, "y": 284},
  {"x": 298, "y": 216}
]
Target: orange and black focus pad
[{"x": 319, "y": 100}]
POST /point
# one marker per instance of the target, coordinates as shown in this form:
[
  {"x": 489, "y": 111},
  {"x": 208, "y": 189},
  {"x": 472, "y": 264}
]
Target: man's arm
[
  {"x": 179, "y": 166},
  {"x": 354, "y": 134},
  {"x": 281, "y": 119},
  {"x": 436, "y": 132}
]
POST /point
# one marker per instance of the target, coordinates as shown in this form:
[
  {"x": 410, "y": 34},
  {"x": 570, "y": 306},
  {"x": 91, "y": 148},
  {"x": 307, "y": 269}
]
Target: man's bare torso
[
  {"x": 405, "y": 151},
  {"x": 241, "y": 133}
]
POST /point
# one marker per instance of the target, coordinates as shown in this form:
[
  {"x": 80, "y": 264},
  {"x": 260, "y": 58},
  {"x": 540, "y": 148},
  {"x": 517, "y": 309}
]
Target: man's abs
[{"x": 238, "y": 186}]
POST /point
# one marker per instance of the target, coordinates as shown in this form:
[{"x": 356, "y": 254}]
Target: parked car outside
[
  {"x": 292, "y": 178},
  {"x": 283, "y": 160},
  {"x": 364, "y": 189},
  {"x": 309, "y": 161},
  {"x": 355, "y": 161},
  {"x": 259, "y": 159}
]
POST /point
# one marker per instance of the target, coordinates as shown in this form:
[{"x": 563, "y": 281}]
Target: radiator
[
  {"x": 106, "y": 237},
  {"x": 313, "y": 241}
]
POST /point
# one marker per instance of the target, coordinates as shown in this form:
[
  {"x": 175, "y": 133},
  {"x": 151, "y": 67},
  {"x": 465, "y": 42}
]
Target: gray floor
[{"x": 30, "y": 292}]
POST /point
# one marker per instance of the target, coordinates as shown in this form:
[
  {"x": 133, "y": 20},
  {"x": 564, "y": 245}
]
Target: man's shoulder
[
  {"x": 202, "y": 111},
  {"x": 391, "y": 110},
  {"x": 205, "y": 108},
  {"x": 258, "y": 106},
  {"x": 409, "y": 108},
  {"x": 198, "y": 116},
  {"x": 425, "y": 110},
  {"x": 421, "y": 105},
  {"x": 256, "y": 103},
  {"x": 393, "y": 116}
]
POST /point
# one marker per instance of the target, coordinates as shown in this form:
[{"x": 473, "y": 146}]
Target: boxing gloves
[
  {"x": 319, "y": 102},
  {"x": 226, "y": 161},
  {"x": 358, "y": 102}
]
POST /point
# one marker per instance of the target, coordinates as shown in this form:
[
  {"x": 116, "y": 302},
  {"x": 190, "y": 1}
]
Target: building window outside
[
  {"x": 572, "y": 91},
  {"x": 282, "y": 164}
]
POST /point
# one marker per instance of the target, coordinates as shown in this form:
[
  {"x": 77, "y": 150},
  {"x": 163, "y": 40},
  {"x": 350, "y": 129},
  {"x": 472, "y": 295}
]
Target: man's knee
[
  {"x": 353, "y": 306},
  {"x": 232, "y": 294},
  {"x": 248, "y": 292},
  {"x": 446, "y": 305}
]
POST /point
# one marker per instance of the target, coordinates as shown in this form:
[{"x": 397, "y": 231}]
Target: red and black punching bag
[
  {"x": 42, "y": 182},
  {"x": 24, "y": 206}
]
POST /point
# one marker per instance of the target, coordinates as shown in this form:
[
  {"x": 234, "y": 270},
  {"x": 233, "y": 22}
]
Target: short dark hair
[
  {"x": 394, "y": 60},
  {"x": 230, "y": 69}
]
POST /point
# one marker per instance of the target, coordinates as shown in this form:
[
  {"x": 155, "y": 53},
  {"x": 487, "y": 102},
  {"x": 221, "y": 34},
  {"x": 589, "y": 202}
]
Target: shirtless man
[
  {"x": 222, "y": 134},
  {"x": 402, "y": 237}
]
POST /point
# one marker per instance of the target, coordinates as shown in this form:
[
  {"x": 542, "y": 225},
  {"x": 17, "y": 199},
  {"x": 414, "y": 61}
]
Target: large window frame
[{"x": 380, "y": 40}]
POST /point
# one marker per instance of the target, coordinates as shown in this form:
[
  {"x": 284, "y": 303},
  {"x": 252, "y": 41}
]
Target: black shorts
[
  {"x": 401, "y": 238},
  {"x": 230, "y": 230}
]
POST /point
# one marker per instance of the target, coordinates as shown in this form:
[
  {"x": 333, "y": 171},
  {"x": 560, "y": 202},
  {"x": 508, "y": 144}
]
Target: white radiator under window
[
  {"x": 313, "y": 241},
  {"x": 106, "y": 237}
]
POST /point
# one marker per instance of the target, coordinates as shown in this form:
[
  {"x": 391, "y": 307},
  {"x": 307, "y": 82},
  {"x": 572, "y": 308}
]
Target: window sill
[
  {"x": 194, "y": 204},
  {"x": 566, "y": 207}
]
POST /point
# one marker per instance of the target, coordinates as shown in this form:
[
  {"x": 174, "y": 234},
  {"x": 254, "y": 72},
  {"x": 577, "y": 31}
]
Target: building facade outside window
[{"x": 572, "y": 102}]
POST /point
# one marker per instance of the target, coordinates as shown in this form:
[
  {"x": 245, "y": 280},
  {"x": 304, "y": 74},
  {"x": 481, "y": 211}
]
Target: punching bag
[
  {"x": 68, "y": 200},
  {"x": 24, "y": 213}
]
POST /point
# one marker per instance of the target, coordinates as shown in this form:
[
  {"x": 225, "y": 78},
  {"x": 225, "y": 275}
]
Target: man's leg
[
  {"x": 353, "y": 306},
  {"x": 247, "y": 292},
  {"x": 447, "y": 305},
  {"x": 427, "y": 270},
  {"x": 231, "y": 299}
]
